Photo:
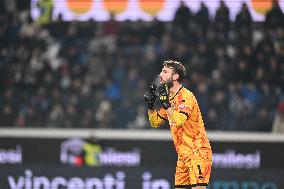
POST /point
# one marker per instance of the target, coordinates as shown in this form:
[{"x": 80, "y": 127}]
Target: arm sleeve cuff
[
  {"x": 178, "y": 118},
  {"x": 155, "y": 119}
]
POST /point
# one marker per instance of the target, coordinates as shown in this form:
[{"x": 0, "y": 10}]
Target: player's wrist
[
  {"x": 166, "y": 105},
  {"x": 151, "y": 106}
]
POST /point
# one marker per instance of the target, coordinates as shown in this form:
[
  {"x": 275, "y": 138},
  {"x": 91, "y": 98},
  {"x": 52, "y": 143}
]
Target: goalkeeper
[{"x": 181, "y": 110}]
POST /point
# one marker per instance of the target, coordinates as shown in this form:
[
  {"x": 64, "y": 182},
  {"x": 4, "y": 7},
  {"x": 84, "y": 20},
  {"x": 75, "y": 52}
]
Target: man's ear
[{"x": 175, "y": 77}]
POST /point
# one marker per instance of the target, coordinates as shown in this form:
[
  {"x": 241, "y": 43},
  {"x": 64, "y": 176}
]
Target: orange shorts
[{"x": 194, "y": 170}]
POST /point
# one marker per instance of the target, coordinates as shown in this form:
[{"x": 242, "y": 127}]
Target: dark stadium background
[{"x": 72, "y": 83}]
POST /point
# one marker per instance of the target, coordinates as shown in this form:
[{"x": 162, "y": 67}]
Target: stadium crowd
[{"x": 94, "y": 74}]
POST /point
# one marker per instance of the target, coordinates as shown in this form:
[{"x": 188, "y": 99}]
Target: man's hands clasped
[
  {"x": 162, "y": 93},
  {"x": 150, "y": 97}
]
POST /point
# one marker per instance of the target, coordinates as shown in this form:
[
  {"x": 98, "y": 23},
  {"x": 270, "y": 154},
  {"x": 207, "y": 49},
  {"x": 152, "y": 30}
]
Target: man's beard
[{"x": 169, "y": 82}]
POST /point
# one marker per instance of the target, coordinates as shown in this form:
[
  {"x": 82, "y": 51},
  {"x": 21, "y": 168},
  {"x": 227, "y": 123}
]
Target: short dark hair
[{"x": 177, "y": 67}]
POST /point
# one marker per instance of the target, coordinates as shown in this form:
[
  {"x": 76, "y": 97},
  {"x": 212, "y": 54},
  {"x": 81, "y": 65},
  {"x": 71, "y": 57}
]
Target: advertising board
[
  {"x": 86, "y": 163},
  {"x": 129, "y": 153},
  {"x": 164, "y": 10},
  {"x": 11, "y": 155},
  {"x": 46, "y": 177}
]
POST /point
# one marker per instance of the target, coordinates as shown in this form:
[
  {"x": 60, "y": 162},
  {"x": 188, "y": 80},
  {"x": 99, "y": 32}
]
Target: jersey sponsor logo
[{"x": 182, "y": 107}]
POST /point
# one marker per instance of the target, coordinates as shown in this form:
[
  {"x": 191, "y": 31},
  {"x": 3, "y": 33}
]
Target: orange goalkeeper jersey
[{"x": 186, "y": 123}]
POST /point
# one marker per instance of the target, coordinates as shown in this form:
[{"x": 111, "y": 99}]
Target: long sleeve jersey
[{"x": 186, "y": 124}]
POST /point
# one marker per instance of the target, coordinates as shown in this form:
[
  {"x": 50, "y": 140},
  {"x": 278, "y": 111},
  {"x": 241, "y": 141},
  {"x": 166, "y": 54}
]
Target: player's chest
[{"x": 178, "y": 104}]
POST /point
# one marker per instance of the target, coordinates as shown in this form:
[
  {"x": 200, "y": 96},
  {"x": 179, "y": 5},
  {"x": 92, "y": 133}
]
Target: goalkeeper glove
[
  {"x": 150, "y": 97},
  {"x": 163, "y": 92}
]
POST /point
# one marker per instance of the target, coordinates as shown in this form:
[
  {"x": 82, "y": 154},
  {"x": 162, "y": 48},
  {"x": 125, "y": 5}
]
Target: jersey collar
[{"x": 176, "y": 93}]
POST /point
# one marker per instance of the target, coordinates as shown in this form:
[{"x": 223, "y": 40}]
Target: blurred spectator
[
  {"x": 124, "y": 113},
  {"x": 251, "y": 93},
  {"x": 262, "y": 123},
  {"x": 2, "y": 9},
  {"x": 46, "y": 9},
  {"x": 10, "y": 5},
  {"x": 104, "y": 115},
  {"x": 274, "y": 17},
  {"x": 278, "y": 122},
  {"x": 243, "y": 18},
  {"x": 182, "y": 17},
  {"x": 56, "y": 117},
  {"x": 23, "y": 5},
  {"x": 212, "y": 120},
  {"x": 6, "y": 116},
  {"x": 111, "y": 27},
  {"x": 140, "y": 121},
  {"x": 202, "y": 16},
  {"x": 243, "y": 23},
  {"x": 113, "y": 91},
  {"x": 222, "y": 19}
]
